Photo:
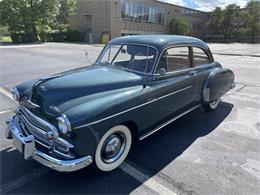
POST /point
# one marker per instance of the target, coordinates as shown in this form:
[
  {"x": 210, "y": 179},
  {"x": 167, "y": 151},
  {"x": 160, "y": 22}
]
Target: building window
[{"x": 140, "y": 12}]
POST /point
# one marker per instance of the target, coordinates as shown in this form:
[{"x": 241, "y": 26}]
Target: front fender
[
  {"x": 219, "y": 82},
  {"x": 25, "y": 88},
  {"x": 85, "y": 117}
]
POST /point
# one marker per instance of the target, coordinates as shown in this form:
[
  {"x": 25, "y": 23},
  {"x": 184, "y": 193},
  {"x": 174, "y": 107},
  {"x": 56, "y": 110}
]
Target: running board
[{"x": 167, "y": 122}]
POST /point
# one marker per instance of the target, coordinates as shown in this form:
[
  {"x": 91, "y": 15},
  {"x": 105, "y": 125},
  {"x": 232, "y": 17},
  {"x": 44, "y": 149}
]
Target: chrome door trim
[
  {"x": 167, "y": 122},
  {"x": 130, "y": 109}
]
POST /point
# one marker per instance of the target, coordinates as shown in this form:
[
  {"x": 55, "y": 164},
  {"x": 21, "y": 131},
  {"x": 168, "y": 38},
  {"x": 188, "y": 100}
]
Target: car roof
[{"x": 160, "y": 41}]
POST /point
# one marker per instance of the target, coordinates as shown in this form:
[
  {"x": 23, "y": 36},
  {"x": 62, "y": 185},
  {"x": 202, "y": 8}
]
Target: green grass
[{"x": 5, "y": 38}]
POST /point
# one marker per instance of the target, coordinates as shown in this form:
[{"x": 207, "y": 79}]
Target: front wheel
[
  {"x": 208, "y": 107},
  {"x": 113, "y": 148}
]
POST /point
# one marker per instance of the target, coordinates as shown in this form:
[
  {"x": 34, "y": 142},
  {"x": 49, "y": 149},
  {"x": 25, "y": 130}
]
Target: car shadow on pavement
[
  {"x": 161, "y": 148},
  {"x": 149, "y": 156}
]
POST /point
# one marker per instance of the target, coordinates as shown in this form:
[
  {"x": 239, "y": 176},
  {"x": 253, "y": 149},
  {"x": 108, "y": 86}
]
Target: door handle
[{"x": 193, "y": 73}]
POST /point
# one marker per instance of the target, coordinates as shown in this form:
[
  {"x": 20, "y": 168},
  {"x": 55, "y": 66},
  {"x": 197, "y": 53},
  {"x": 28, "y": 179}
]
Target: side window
[
  {"x": 173, "y": 59},
  {"x": 199, "y": 57}
]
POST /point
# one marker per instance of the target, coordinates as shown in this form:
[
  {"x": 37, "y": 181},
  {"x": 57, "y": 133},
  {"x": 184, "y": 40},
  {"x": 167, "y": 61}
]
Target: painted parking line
[
  {"x": 21, "y": 181},
  {"x": 20, "y": 46},
  {"x": 149, "y": 182},
  {"x": 6, "y": 93},
  {"x": 6, "y": 111}
]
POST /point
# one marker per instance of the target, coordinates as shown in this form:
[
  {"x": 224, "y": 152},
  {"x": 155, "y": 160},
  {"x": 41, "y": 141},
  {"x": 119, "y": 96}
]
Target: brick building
[{"x": 96, "y": 19}]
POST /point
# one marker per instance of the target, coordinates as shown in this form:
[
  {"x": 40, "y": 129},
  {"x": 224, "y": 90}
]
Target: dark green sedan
[{"x": 137, "y": 86}]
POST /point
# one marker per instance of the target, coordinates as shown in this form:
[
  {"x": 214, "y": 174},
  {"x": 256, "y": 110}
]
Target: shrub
[
  {"x": 23, "y": 37},
  {"x": 73, "y": 36}
]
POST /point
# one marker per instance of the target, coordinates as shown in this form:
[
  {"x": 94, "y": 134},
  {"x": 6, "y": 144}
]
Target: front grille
[
  {"x": 45, "y": 133},
  {"x": 39, "y": 128}
]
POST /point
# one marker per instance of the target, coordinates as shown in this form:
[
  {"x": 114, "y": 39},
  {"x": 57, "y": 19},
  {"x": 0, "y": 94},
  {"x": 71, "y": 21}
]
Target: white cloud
[
  {"x": 176, "y": 2},
  {"x": 207, "y": 5}
]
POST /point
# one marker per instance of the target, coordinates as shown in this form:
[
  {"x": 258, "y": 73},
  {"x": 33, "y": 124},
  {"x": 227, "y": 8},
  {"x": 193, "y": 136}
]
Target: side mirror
[{"x": 162, "y": 71}]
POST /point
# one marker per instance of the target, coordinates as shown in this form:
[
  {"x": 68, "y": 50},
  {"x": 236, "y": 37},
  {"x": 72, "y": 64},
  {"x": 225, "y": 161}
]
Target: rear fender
[{"x": 217, "y": 84}]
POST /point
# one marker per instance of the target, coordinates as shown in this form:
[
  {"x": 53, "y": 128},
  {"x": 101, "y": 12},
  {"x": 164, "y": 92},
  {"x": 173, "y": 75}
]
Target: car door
[
  {"x": 202, "y": 63},
  {"x": 174, "y": 88}
]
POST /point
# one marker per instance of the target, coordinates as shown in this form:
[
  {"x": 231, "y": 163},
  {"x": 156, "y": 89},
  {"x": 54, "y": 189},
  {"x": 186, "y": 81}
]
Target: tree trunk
[
  {"x": 35, "y": 33},
  {"x": 34, "y": 30}
]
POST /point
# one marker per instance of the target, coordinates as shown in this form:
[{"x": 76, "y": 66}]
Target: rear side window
[
  {"x": 199, "y": 57},
  {"x": 174, "y": 59}
]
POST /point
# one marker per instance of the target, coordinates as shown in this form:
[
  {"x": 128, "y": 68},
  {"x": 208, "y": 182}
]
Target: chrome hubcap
[{"x": 113, "y": 148}]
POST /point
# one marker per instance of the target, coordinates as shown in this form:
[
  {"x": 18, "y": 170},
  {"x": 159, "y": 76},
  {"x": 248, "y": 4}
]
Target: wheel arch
[
  {"x": 133, "y": 128},
  {"x": 217, "y": 84}
]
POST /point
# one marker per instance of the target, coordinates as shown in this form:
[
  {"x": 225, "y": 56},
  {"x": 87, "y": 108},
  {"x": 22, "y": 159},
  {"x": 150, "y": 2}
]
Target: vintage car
[{"x": 137, "y": 86}]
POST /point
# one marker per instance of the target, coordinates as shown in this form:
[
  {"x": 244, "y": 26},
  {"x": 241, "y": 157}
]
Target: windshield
[{"x": 132, "y": 57}]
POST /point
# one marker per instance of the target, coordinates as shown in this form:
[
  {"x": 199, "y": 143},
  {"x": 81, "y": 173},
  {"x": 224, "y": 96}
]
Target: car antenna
[{"x": 87, "y": 57}]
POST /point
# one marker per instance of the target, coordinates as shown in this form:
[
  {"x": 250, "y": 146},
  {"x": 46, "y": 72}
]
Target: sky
[{"x": 207, "y": 5}]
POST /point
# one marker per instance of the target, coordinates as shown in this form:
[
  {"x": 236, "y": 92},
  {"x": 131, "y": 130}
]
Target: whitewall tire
[
  {"x": 113, "y": 148},
  {"x": 211, "y": 106}
]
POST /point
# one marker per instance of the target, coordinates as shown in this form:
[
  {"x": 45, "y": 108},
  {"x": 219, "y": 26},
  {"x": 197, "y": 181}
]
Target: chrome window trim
[
  {"x": 130, "y": 109},
  {"x": 137, "y": 44},
  {"x": 167, "y": 122},
  {"x": 191, "y": 67},
  {"x": 157, "y": 75},
  {"x": 210, "y": 58}
]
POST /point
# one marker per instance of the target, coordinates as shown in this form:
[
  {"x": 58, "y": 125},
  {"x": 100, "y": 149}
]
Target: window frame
[
  {"x": 207, "y": 54},
  {"x": 135, "y": 44},
  {"x": 174, "y": 71},
  {"x": 157, "y": 75}
]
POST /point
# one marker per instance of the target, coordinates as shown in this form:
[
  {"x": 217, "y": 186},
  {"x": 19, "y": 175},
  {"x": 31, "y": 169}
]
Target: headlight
[
  {"x": 64, "y": 124},
  {"x": 15, "y": 94}
]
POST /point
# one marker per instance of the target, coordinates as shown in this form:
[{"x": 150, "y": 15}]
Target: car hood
[{"x": 75, "y": 84}]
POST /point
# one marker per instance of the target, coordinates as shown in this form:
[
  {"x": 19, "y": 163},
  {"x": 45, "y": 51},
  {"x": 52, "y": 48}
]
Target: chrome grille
[
  {"x": 45, "y": 133},
  {"x": 37, "y": 127}
]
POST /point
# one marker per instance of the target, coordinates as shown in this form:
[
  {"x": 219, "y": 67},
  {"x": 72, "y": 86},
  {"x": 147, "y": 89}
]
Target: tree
[
  {"x": 179, "y": 26},
  {"x": 221, "y": 22},
  {"x": 214, "y": 23},
  {"x": 66, "y": 9},
  {"x": 252, "y": 19},
  {"x": 31, "y": 16},
  {"x": 227, "y": 22}
]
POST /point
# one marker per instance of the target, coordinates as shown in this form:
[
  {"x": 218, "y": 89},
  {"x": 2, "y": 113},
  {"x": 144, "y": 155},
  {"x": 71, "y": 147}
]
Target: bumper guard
[{"x": 26, "y": 145}]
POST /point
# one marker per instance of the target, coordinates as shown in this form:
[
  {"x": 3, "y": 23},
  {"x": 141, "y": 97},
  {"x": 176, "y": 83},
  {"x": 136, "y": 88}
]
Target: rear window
[{"x": 199, "y": 57}]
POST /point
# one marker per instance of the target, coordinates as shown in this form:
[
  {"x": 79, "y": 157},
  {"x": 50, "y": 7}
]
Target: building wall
[
  {"x": 101, "y": 16},
  {"x": 92, "y": 19}
]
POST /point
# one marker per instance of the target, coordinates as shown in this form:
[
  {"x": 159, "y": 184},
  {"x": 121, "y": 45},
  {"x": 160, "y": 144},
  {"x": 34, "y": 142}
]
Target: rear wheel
[
  {"x": 208, "y": 107},
  {"x": 113, "y": 148}
]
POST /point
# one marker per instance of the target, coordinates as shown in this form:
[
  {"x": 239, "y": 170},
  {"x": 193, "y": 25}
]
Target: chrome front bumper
[{"x": 26, "y": 145}]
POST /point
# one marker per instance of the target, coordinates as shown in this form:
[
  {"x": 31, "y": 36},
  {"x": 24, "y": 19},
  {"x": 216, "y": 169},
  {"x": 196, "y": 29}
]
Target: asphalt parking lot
[{"x": 200, "y": 153}]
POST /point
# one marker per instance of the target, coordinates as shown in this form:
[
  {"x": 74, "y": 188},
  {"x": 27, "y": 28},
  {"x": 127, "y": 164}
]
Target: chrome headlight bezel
[
  {"x": 64, "y": 124},
  {"x": 15, "y": 94}
]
